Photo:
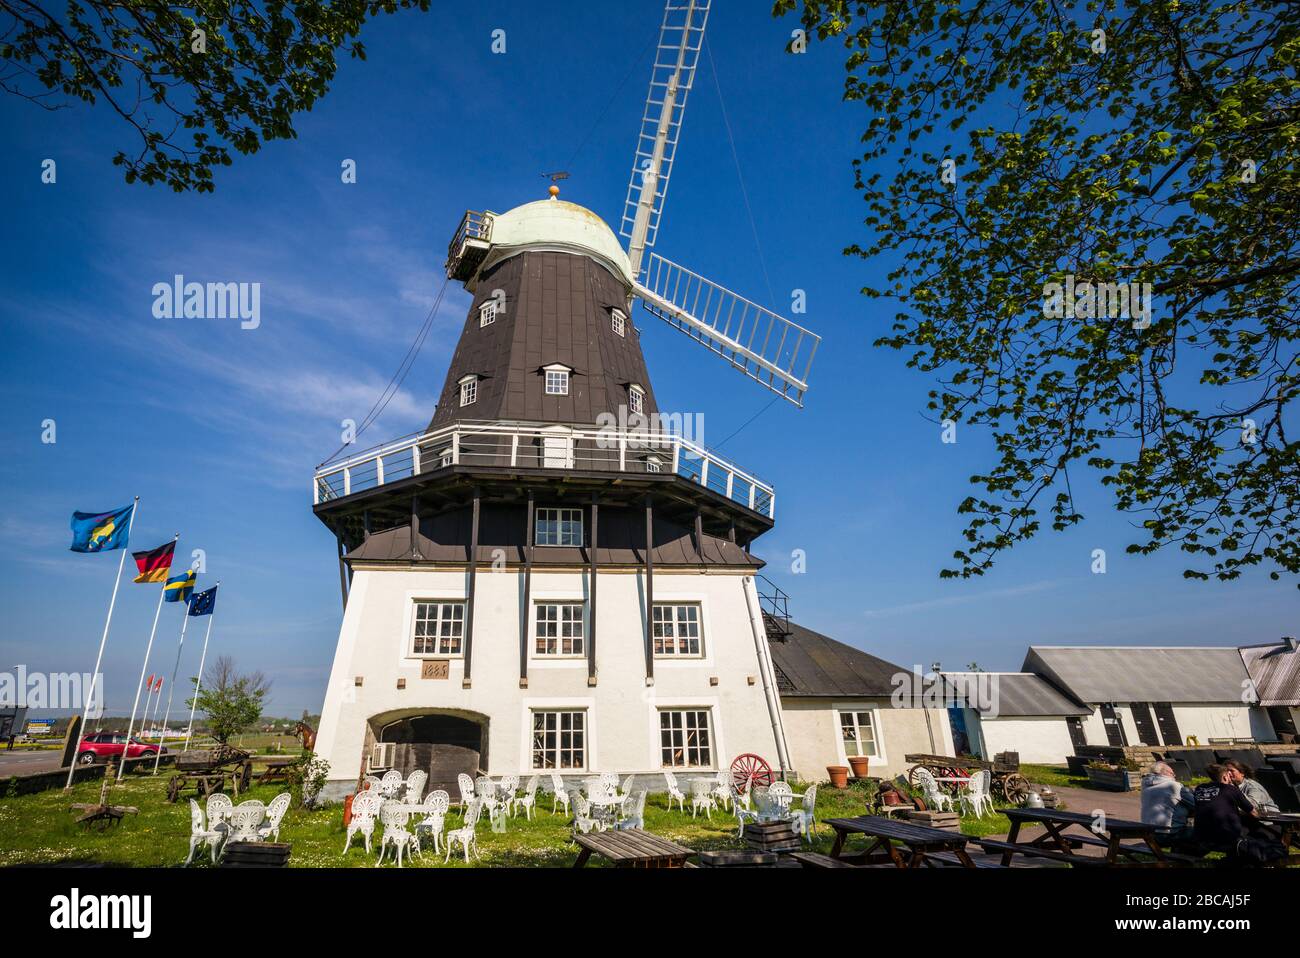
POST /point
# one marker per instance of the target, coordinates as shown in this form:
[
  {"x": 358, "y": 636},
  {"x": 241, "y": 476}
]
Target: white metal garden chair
[
  {"x": 269, "y": 830},
  {"x": 632, "y": 812},
  {"x": 365, "y": 809},
  {"x": 218, "y": 809},
  {"x": 975, "y": 793},
  {"x": 465, "y": 835},
  {"x": 245, "y": 819},
  {"x": 583, "y": 820},
  {"x": 805, "y": 817},
  {"x": 935, "y": 797},
  {"x": 390, "y": 786},
  {"x": 740, "y": 808},
  {"x": 626, "y": 788},
  {"x": 509, "y": 785},
  {"x": 201, "y": 835},
  {"x": 674, "y": 792},
  {"x": 558, "y": 794},
  {"x": 438, "y": 802},
  {"x": 466, "y": 786},
  {"x": 415, "y": 783},
  {"x": 779, "y": 798},
  {"x": 609, "y": 782},
  {"x": 485, "y": 791},
  {"x": 528, "y": 799},
  {"x": 702, "y": 798},
  {"x": 722, "y": 791},
  {"x": 394, "y": 816}
]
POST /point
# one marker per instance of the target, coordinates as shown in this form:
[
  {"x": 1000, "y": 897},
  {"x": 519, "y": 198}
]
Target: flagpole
[
  {"x": 198, "y": 683},
  {"x": 175, "y": 668},
  {"x": 126, "y": 749},
  {"x": 94, "y": 676}
]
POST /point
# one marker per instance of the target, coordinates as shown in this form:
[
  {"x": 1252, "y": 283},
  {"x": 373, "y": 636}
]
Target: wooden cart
[
  {"x": 211, "y": 770},
  {"x": 1007, "y": 782}
]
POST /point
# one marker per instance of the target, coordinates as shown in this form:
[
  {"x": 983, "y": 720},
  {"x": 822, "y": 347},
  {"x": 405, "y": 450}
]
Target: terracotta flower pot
[
  {"x": 839, "y": 775},
  {"x": 860, "y": 765}
]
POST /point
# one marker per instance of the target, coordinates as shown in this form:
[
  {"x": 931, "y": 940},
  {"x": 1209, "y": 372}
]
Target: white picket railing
[{"x": 546, "y": 446}]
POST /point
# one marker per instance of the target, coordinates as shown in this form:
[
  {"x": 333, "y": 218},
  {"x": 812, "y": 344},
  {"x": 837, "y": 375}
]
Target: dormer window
[
  {"x": 468, "y": 390},
  {"x": 487, "y": 313},
  {"x": 636, "y": 400},
  {"x": 618, "y": 319},
  {"x": 557, "y": 379}
]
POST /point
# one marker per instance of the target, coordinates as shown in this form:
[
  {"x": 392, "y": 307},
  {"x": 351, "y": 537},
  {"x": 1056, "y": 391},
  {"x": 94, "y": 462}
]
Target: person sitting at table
[
  {"x": 1222, "y": 812},
  {"x": 1166, "y": 804},
  {"x": 1243, "y": 776}
]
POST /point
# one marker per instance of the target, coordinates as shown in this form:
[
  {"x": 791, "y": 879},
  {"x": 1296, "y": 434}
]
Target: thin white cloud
[{"x": 950, "y": 600}]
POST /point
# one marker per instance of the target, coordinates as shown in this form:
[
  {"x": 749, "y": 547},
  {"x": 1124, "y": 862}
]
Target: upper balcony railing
[
  {"x": 545, "y": 446},
  {"x": 469, "y": 246}
]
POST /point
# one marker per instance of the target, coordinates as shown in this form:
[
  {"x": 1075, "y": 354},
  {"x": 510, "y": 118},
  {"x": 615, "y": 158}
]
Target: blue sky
[{"x": 218, "y": 428}]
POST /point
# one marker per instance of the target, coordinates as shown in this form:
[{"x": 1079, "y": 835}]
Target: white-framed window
[
  {"x": 618, "y": 319},
  {"x": 439, "y": 628},
  {"x": 858, "y": 732},
  {"x": 559, "y": 527},
  {"x": 560, "y": 628},
  {"x": 444, "y": 457},
  {"x": 559, "y": 739},
  {"x": 677, "y": 629},
  {"x": 557, "y": 382},
  {"x": 652, "y": 464},
  {"x": 468, "y": 390},
  {"x": 487, "y": 313},
  {"x": 636, "y": 400},
  {"x": 684, "y": 738}
]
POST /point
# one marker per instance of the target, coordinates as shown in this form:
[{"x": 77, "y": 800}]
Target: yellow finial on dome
[{"x": 553, "y": 190}]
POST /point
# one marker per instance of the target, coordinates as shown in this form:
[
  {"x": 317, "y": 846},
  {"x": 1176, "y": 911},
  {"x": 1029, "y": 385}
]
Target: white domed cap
[{"x": 561, "y": 226}]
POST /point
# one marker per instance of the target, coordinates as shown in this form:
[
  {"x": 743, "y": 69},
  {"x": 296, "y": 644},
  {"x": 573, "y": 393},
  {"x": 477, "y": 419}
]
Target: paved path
[{"x": 25, "y": 762}]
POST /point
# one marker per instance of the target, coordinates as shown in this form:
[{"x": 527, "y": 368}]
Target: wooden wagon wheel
[
  {"x": 749, "y": 770},
  {"x": 1015, "y": 788},
  {"x": 243, "y": 777},
  {"x": 174, "y": 788}
]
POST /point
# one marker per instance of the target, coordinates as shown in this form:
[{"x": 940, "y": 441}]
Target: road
[{"x": 25, "y": 762}]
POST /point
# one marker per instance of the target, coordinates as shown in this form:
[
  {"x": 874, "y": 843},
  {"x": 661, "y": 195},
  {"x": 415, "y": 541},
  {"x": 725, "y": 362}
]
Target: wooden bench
[
  {"x": 818, "y": 860},
  {"x": 1023, "y": 848},
  {"x": 948, "y": 858}
]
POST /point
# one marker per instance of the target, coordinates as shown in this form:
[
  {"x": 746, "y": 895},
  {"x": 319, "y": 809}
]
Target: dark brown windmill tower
[{"x": 550, "y": 578}]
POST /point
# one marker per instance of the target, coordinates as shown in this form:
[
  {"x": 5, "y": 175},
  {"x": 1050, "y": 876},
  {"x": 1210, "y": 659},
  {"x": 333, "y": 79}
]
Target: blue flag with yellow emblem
[
  {"x": 178, "y": 589},
  {"x": 101, "y": 531}
]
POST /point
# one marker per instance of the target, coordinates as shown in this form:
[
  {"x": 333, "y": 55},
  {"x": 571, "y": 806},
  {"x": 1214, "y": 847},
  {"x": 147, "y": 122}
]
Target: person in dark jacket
[{"x": 1221, "y": 817}]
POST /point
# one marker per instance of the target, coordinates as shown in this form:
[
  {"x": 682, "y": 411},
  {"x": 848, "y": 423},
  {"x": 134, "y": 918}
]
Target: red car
[{"x": 102, "y": 746}]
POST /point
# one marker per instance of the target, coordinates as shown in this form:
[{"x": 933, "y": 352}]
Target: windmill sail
[
  {"x": 680, "y": 38},
  {"x": 768, "y": 348}
]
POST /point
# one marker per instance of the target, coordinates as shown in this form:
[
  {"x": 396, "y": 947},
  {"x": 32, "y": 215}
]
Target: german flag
[{"x": 155, "y": 563}]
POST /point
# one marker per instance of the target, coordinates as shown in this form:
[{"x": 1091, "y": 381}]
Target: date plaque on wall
[{"x": 435, "y": 669}]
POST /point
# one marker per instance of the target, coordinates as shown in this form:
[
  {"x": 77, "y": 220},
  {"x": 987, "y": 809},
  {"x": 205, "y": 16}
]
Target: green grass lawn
[{"x": 39, "y": 829}]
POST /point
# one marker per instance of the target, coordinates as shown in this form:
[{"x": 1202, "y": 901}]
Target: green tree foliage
[
  {"x": 231, "y": 701},
  {"x": 1140, "y": 142},
  {"x": 192, "y": 80}
]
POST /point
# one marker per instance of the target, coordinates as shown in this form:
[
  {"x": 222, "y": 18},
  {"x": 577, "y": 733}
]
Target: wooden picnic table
[
  {"x": 632, "y": 848},
  {"x": 921, "y": 842},
  {"x": 1109, "y": 833},
  {"x": 1288, "y": 824}
]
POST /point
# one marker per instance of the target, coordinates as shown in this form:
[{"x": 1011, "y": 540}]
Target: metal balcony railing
[
  {"x": 545, "y": 446},
  {"x": 469, "y": 245}
]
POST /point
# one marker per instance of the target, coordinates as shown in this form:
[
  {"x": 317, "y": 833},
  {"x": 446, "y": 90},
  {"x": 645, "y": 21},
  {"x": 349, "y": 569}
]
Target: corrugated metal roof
[
  {"x": 811, "y": 664},
  {"x": 1275, "y": 670},
  {"x": 1019, "y": 694},
  {"x": 1141, "y": 673}
]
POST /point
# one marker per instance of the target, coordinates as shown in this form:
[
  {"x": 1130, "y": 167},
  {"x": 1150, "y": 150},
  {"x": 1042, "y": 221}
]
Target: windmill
[{"x": 768, "y": 348}]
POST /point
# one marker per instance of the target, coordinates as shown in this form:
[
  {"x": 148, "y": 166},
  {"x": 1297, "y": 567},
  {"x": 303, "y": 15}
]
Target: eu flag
[
  {"x": 179, "y": 588},
  {"x": 101, "y": 531},
  {"x": 204, "y": 602}
]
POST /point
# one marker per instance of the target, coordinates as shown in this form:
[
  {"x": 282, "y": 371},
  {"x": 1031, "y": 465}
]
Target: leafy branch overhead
[
  {"x": 1135, "y": 143},
  {"x": 191, "y": 81}
]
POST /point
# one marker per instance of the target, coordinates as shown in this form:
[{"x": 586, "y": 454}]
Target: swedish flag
[{"x": 178, "y": 588}]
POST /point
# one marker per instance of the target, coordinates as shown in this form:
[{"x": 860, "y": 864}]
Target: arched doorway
[{"x": 444, "y": 743}]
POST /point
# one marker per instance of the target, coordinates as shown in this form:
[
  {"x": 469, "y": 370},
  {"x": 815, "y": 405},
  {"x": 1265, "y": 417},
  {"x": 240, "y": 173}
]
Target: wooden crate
[
  {"x": 255, "y": 854},
  {"x": 729, "y": 859},
  {"x": 772, "y": 837},
  {"x": 945, "y": 820}
]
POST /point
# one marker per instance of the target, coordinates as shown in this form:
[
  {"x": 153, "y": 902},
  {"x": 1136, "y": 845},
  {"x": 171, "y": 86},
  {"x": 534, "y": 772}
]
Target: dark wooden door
[
  {"x": 1168, "y": 725},
  {"x": 1077, "y": 738},
  {"x": 1283, "y": 723},
  {"x": 1114, "y": 730},
  {"x": 1146, "y": 726}
]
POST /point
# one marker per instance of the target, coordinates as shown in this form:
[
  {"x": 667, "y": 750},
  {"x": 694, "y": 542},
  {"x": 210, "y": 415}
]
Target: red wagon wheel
[{"x": 749, "y": 770}]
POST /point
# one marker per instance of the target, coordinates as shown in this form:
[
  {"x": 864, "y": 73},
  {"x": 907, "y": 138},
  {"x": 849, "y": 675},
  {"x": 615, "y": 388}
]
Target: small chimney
[{"x": 1291, "y": 643}]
